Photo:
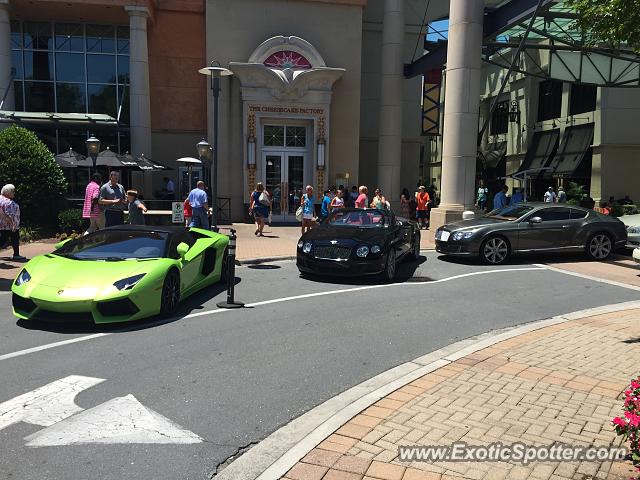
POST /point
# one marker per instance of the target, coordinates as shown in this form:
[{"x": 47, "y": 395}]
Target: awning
[
  {"x": 58, "y": 119},
  {"x": 575, "y": 144},
  {"x": 541, "y": 153},
  {"x": 494, "y": 154}
]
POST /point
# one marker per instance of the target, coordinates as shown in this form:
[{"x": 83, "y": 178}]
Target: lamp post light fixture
[
  {"x": 215, "y": 71},
  {"x": 321, "y": 153},
  {"x": 204, "y": 149},
  {"x": 514, "y": 112},
  {"x": 93, "y": 149}
]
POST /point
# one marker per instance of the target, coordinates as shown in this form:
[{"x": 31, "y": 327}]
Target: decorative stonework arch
[{"x": 281, "y": 43}]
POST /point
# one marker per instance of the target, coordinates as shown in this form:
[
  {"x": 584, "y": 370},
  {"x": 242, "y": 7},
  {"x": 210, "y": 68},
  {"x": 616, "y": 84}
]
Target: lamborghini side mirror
[{"x": 182, "y": 249}]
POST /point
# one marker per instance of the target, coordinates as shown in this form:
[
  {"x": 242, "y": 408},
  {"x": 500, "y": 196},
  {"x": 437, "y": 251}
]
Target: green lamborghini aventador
[{"x": 119, "y": 274}]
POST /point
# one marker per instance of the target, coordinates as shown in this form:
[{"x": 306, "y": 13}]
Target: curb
[{"x": 274, "y": 456}]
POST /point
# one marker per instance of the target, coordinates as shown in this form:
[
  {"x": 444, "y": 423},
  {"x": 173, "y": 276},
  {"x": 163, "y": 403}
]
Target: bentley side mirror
[
  {"x": 182, "y": 249},
  {"x": 533, "y": 220}
]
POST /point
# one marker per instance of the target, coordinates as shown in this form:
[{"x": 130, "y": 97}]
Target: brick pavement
[{"x": 558, "y": 384}]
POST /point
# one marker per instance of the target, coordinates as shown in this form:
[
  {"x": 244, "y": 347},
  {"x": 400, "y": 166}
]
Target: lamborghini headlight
[
  {"x": 23, "y": 277},
  {"x": 128, "y": 283}
]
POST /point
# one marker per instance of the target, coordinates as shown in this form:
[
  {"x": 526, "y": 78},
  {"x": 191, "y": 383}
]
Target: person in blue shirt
[
  {"x": 307, "y": 209},
  {"x": 199, "y": 206},
  {"x": 326, "y": 201},
  {"x": 517, "y": 197},
  {"x": 500, "y": 199}
]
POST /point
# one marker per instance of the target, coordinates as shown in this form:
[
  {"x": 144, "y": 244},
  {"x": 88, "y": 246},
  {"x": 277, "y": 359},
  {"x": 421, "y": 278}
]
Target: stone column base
[{"x": 444, "y": 214}]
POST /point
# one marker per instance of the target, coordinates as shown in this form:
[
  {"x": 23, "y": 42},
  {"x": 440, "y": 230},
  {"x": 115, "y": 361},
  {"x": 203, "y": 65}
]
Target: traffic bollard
[{"x": 231, "y": 274}]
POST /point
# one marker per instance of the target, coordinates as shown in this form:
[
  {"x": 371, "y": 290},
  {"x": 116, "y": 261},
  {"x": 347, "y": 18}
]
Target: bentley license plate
[{"x": 444, "y": 235}]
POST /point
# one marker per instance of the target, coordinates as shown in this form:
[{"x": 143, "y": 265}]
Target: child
[
  {"x": 136, "y": 207},
  {"x": 188, "y": 213}
]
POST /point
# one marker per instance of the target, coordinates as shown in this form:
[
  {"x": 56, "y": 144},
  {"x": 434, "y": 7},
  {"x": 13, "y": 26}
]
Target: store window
[
  {"x": 281, "y": 136},
  {"x": 583, "y": 99},
  {"x": 549, "y": 100},
  {"x": 500, "y": 118}
]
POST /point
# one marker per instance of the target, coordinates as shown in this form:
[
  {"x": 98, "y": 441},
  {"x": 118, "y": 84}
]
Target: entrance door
[{"x": 284, "y": 180}]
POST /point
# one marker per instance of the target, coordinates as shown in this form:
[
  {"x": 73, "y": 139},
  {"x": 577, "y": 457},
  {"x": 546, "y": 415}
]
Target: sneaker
[{"x": 18, "y": 258}]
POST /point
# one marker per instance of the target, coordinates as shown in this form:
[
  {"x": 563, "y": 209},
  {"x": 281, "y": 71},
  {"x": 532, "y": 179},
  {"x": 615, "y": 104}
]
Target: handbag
[
  {"x": 299, "y": 213},
  {"x": 264, "y": 199}
]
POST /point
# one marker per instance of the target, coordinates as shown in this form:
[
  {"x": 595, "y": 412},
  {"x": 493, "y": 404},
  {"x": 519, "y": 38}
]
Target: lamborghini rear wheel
[{"x": 170, "y": 293}]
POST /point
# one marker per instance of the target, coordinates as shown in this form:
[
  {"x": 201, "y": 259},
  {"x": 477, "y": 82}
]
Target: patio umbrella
[
  {"x": 147, "y": 164},
  {"x": 109, "y": 158},
  {"x": 72, "y": 159},
  {"x": 127, "y": 160}
]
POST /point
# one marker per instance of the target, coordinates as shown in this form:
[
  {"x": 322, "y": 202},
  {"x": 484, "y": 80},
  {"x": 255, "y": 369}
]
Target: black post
[
  {"x": 215, "y": 88},
  {"x": 231, "y": 274}
]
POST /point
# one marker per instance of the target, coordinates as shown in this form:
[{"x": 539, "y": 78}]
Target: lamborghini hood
[{"x": 54, "y": 271}]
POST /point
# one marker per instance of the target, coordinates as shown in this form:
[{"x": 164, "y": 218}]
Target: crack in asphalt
[{"x": 238, "y": 453}]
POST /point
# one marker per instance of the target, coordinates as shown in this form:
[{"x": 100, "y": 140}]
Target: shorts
[
  {"x": 420, "y": 214},
  {"x": 307, "y": 216}
]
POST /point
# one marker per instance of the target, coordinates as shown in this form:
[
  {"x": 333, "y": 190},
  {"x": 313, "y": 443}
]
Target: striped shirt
[{"x": 89, "y": 209}]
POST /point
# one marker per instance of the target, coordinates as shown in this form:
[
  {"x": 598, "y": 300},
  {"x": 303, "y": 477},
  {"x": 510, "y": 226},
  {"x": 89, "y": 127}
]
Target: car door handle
[{"x": 566, "y": 226}]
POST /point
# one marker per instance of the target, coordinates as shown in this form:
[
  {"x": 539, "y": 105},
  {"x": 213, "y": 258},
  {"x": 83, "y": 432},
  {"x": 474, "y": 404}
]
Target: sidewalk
[{"x": 538, "y": 388}]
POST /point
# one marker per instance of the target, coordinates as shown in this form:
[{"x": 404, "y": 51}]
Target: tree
[
  {"x": 40, "y": 184},
  {"x": 614, "y": 23}
]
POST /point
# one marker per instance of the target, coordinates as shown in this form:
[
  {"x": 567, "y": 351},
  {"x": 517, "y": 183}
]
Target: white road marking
[
  {"x": 589, "y": 277},
  {"x": 48, "y": 346},
  {"x": 46, "y": 405},
  {"x": 120, "y": 420}
]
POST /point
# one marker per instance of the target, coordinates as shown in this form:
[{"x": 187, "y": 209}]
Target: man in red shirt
[{"x": 422, "y": 210}]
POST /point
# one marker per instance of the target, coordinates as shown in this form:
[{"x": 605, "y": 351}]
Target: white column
[
  {"x": 6, "y": 62},
  {"x": 391, "y": 93},
  {"x": 461, "y": 108},
  {"x": 140, "y": 109}
]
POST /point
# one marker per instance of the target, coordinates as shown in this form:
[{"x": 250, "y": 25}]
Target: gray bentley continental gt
[{"x": 531, "y": 228}]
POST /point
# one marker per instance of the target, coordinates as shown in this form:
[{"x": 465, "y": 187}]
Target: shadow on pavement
[
  {"x": 528, "y": 259},
  {"x": 5, "y": 284},
  {"x": 193, "y": 304},
  {"x": 404, "y": 273},
  {"x": 263, "y": 266}
]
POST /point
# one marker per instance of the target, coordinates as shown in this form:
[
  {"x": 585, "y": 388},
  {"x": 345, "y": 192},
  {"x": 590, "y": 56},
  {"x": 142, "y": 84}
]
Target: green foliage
[
  {"x": 28, "y": 234},
  {"x": 575, "y": 192},
  {"x": 70, "y": 220},
  {"x": 40, "y": 184},
  {"x": 612, "y": 23}
]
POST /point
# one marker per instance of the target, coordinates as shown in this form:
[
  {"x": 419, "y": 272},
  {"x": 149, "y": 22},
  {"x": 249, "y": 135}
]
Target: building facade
[{"x": 317, "y": 94}]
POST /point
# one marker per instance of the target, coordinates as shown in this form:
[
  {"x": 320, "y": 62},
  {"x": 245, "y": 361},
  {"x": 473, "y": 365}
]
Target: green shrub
[
  {"x": 28, "y": 234},
  {"x": 40, "y": 184},
  {"x": 70, "y": 220}
]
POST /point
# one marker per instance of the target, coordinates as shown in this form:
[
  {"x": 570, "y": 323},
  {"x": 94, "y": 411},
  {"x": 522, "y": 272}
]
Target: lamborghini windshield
[
  {"x": 358, "y": 218},
  {"x": 114, "y": 245}
]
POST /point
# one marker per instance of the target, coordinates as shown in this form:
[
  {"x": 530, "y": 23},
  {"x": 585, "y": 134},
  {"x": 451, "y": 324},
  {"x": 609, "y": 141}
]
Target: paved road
[{"x": 234, "y": 377}]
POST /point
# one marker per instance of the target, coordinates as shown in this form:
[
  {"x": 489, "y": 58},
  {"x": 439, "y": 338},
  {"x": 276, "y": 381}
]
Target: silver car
[{"x": 632, "y": 222}]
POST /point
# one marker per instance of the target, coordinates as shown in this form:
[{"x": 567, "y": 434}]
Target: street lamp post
[
  {"x": 204, "y": 150},
  {"x": 215, "y": 71},
  {"x": 93, "y": 149}
]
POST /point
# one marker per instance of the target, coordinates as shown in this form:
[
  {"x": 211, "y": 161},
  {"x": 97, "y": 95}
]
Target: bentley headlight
[
  {"x": 300, "y": 244},
  {"x": 633, "y": 229},
  {"x": 23, "y": 277},
  {"x": 362, "y": 251},
  {"x": 375, "y": 249},
  {"x": 128, "y": 283},
  {"x": 307, "y": 247},
  {"x": 462, "y": 235}
]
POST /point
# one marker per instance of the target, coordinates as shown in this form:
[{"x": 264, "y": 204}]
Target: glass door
[{"x": 284, "y": 180}]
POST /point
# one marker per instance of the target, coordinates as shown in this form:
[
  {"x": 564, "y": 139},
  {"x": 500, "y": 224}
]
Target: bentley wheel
[
  {"x": 600, "y": 246},
  {"x": 390, "y": 268},
  {"x": 494, "y": 250},
  {"x": 170, "y": 293}
]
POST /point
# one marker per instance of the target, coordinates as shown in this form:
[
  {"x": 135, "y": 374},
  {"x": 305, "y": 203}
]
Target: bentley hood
[
  {"x": 474, "y": 223},
  {"x": 353, "y": 234}
]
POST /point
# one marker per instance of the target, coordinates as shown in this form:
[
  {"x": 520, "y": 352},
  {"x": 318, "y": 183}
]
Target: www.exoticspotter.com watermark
[{"x": 513, "y": 452}]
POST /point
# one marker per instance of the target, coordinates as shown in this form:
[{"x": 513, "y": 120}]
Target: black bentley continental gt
[
  {"x": 533, "y": 228},
  {"x": 354, "y": 242}
]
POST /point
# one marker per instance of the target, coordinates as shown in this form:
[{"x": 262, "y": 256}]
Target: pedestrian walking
[
  {"x": 337, "y": 201},
  {"x": 187, "y": 211},
  {"x": 324, "y": 207},
  {"x": 500, "y": 199},
  {"x": 308, "y": 201},
  {"x": 259, "y": 207},
  {"x": 199, "y": 207},
  {"x": 10, "y": 221},
  {"x": 562, "y": 195},
  {"x": 422, "y": 207},
  {"x": 481, "y": 198},
  {"x": 136, "y": 208},
  {"x": 549, "y": 196},
  {"x": 361, "y": 201},
  {"x": 378, "y": 200},
  {"x": 113, "y": 199},
  {"x": 91, "y": 209},
  {"x": 405, "y": 203}
]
